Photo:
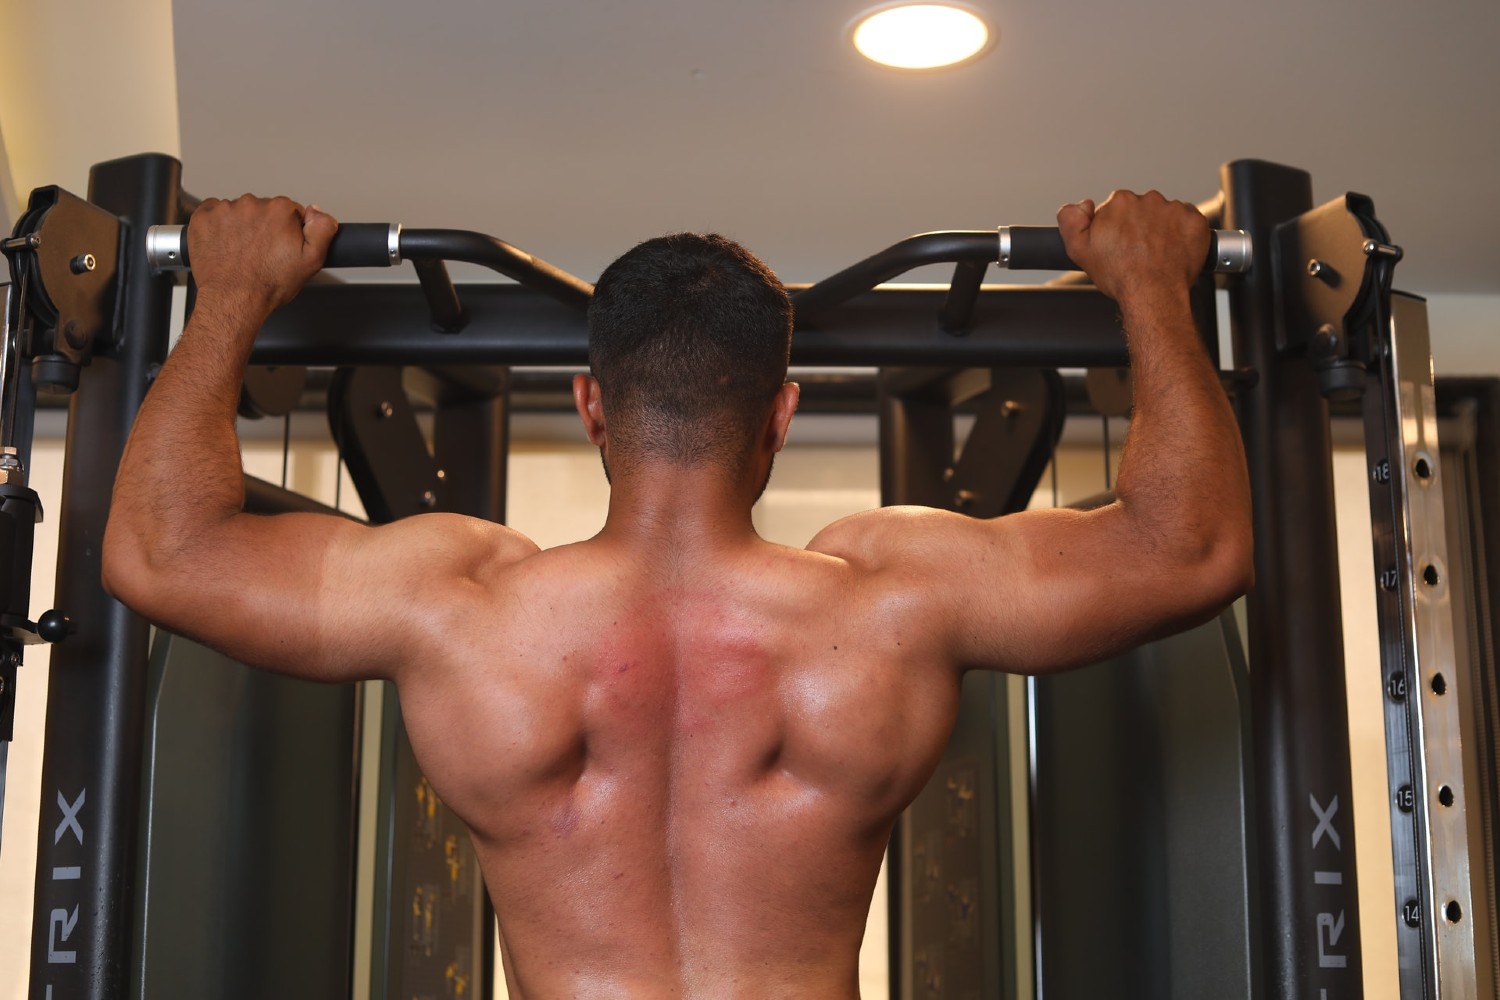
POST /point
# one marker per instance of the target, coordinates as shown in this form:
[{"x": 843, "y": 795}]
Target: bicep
[{"x": 314, "y": 595}]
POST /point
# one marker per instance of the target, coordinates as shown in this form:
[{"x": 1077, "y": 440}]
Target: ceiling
[{"x": 576, "y": 128}]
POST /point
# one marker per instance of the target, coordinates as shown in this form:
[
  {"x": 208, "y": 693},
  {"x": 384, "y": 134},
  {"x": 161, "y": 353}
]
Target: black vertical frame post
[
  {"x": 956, "y": 836},
  {"x": 471, "y": 442},
  {"x": 87, "y": 841},
  {"x": 1309, "y": 905}
]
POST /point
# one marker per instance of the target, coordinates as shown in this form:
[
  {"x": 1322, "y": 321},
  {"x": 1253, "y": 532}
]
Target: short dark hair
[{"x": 688, "y": 336}]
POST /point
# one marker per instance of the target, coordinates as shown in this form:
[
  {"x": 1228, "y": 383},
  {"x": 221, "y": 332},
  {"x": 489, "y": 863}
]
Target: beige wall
[{"x": 85, "y": 82}]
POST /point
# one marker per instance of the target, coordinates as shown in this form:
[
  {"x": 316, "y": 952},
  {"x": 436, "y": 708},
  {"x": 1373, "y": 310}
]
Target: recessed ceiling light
[{"x": 921, "y": 35}]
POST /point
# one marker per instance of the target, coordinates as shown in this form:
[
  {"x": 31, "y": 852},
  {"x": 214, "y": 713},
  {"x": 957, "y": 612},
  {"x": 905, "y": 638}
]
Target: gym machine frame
[{"x": 1313, "y": 318}]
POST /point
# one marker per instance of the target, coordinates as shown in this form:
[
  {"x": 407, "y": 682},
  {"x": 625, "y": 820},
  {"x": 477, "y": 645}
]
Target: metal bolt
[
  {"x": 964, "y": 498},
  {"x": 1314, "y": 267},
  {"x": 429, "y": 498},
  {"x": 75, "y": 337},
  {"x": 28, "y": 242},
  {"x": 1010, "y": 408},
  {"x": 11, "y": 471},
  {"x": 385, "y": 410},
  {"x": 83, "y": 263},
  {"x": 441, "y": 475},
  {"x": 1326, "y": 340}
]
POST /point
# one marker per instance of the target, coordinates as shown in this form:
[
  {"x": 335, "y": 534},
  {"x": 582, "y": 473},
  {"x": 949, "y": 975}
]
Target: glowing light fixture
[{"x": 921, "y": 35}]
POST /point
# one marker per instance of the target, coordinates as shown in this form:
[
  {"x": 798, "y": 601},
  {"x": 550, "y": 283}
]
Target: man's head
[{"x": 688, "y": 339}]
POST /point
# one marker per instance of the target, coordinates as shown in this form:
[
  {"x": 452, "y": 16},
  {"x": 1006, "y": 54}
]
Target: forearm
[
  {"x": 1182, "y": 478},
  {"x": 181, "y": 474}
]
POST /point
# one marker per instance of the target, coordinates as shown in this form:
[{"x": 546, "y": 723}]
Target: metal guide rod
[{"x": 1429, "y": 832}]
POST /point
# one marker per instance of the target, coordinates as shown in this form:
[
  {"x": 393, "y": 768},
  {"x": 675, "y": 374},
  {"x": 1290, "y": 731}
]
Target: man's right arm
[{"x": 1049, "y": 589}]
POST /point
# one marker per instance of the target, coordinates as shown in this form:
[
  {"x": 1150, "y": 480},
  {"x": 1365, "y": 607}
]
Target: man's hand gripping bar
[
  {"x": 356, "y": 244},
  {"x": 1040, "y": 248}
]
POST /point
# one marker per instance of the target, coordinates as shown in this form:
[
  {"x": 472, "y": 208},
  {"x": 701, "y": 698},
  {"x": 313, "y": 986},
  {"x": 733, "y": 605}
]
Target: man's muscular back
[
  {"x": 684, "y": 765},
  {"x": 681, "y": 748}
]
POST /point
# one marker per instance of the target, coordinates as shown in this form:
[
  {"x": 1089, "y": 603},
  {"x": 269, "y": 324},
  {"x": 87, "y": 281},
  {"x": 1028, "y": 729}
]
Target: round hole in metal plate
[
  {"x": 1453, "y": 911},
  {"x": 1439, "y": 684}
]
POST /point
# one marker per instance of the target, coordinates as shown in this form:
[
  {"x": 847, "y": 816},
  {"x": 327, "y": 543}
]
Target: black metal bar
[
  {"x": 981, "y": 246},
  {"x": 1309, "y": 912},
  {"x": 497, "y": 255},
  {"x": 963, "y": 293},
  {"x": 87, "y": 844},
  {"x": 446, "y": 310},
  {"x": 387, "y": 324},
  {"x": 471, "y": 442},
  {"x": 262, "y": 497}
]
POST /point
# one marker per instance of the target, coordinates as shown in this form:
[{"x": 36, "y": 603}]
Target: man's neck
[{"x": 654, "y": 502}]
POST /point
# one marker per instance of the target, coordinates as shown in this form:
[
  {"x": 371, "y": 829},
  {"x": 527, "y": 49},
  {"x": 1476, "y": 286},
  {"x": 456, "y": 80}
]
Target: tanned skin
[{"x": 681, "y": 748}]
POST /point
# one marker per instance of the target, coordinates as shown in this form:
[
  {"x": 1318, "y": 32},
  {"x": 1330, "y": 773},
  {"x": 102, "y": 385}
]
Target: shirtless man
[{"x": 681, "y": 748}]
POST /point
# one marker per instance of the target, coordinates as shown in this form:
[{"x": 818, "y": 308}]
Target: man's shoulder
[
  {"x": 873, "y": 538},
  {"x": 446, "y": 541}
]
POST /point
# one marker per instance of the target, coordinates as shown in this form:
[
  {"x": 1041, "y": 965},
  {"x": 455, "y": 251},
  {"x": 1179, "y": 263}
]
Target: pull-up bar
[{"x": 379, "y": 244}]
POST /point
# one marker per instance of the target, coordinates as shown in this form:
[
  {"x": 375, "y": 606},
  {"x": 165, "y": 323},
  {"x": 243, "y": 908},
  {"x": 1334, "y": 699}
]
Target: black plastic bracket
[
  {"x": 64, "y": 256},
  {"x": 1019, "y": 418},
  {"x": 1338, "y": 260},
  {"x": 375, "y": 426}
]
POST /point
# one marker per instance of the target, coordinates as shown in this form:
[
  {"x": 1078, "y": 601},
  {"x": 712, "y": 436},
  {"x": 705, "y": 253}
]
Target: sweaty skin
[{"x": 681, "y": 748}]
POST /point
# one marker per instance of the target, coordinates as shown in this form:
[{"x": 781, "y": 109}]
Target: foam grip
[{"x": 1040, "y": 248}]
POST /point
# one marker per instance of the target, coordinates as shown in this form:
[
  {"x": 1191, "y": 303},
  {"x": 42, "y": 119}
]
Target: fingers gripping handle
[
  {"x": 1040, "y": 248},
  {"x": 356, "y": 244}
]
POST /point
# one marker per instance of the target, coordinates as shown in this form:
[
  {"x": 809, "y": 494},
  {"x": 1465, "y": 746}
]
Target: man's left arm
[{"x": 313, "y": 595}]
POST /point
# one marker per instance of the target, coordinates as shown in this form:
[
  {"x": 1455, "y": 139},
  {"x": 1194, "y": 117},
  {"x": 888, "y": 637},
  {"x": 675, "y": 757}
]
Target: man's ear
[
  {"x": 590, "y": 407},
  {"x": 782, "y": 409}
]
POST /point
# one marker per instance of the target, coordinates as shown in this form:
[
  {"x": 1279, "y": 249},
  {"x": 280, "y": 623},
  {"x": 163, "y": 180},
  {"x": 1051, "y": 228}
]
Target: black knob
[
  {"x": 54, "y": 374},
  {"x": 54, "y": 626}
]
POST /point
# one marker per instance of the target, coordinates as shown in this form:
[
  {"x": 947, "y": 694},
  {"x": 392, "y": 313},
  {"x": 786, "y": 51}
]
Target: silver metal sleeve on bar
[
  {"x": 393, "y": 243},
  {"x": 166, "y": 246},
  {"x": 1040, "y": 248},
  {"x": 356, "y": 244}
]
